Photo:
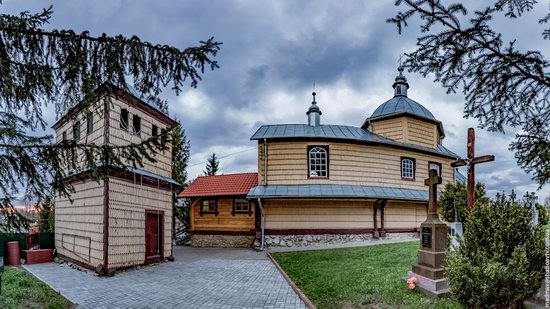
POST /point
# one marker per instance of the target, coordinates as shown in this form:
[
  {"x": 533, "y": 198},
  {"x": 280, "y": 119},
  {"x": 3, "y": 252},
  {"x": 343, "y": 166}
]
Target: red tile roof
[{"x": 220, "y": 185}]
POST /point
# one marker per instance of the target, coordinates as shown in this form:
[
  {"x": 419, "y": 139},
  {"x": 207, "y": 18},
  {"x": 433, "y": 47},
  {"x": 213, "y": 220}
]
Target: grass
[
  {"x": 22, "y": 290},
  {"x": 368, "y": 277}
]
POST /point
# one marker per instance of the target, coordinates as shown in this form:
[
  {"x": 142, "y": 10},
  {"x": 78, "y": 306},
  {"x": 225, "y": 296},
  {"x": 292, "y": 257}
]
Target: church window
[
  {"x": 136, "y": 125},
  {"x": 155, "y": 130},
  {"x": 76, "y": 131},
  {"x": 89, "y": 123},
  {"x": 407, "y": 168},
  {"x": 435, "y": 166},
  {"x": 124, "y": 119},
  {"x": 318, "y": 162}
]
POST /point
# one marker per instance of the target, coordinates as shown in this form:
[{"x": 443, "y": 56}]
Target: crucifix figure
[
  {"x": 432, "y": 181},
  {"x": 470, "y": 163}
]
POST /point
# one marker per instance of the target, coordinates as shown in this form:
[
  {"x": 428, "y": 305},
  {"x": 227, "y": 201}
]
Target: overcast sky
[{"x": 273, "y": 52}]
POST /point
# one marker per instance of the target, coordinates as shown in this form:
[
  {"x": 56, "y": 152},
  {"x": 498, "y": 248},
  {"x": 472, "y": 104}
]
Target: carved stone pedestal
[{"x": 429, "y": 271}]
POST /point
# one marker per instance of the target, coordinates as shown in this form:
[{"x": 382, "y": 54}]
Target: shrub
[
  {"x": 543, "y": 214},
  {"x": 454, "y": 195},
  {"x": 500, "y": 260}
]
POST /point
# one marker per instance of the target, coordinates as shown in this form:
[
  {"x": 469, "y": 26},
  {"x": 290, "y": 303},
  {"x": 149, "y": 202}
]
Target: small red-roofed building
[{"x": 221, "y": 215}]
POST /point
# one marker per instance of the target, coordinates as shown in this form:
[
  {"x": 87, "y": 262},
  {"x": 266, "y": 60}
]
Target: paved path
[
  {"x": 345, "y": 245},
  {"x": 199, "y": 278}
]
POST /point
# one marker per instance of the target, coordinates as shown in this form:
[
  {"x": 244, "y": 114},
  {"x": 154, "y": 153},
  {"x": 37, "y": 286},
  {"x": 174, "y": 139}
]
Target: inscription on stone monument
[{"x": 426, "y": 237}]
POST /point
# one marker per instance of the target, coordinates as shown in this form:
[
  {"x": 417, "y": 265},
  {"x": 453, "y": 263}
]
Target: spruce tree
[
  {"x": 503, "y": 85},
  {"x": 500, "y": 261},
  {"x": 43, "y": 68},
  {"x": 212, "y": 165}
]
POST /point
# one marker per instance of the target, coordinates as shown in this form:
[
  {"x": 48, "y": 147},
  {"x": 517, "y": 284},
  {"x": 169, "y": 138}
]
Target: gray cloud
[{"x": 272, "y": 53}]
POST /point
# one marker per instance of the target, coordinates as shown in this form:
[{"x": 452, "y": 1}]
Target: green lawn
[
  {"x": 22, "y": 290},
  {"x": 368, "y": 277}
]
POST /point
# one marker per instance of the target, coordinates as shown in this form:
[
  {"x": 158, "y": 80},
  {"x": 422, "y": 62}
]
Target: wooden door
[{"x": 154, "y": 222}]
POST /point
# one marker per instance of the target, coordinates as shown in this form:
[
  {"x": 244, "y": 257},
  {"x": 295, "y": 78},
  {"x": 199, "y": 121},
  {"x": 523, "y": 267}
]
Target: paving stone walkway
[{"x": 199, "y": 278}]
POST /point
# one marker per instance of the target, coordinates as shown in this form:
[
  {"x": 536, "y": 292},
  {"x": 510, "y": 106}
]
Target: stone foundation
[
  {"x": 222, "y": 241},
  {"x": 323, "y": 239}
]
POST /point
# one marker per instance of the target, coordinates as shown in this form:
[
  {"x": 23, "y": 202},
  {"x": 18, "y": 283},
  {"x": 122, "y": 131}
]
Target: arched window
[
  {"x": 318, "y": 162},
  {"x": 435, "y": 166},
  {"x": 407, "y": 168}
]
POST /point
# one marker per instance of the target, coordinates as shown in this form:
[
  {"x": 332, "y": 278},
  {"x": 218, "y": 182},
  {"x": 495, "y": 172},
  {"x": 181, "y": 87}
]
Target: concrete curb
[{"x": 296, "y": 289}]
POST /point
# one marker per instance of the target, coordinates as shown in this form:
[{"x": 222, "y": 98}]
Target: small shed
[
  {"x": 221, "y": 215},
  {"x": 125, "y": 219}
]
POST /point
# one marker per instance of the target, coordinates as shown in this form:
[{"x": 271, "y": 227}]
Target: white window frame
[
  {"x": 318, "y": 162},
  {"x": 435, "y": 164},
  {"x": 407, "y": 168}
]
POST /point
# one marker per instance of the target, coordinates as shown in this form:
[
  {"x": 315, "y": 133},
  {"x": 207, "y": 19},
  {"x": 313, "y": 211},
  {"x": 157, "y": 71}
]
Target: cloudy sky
[{"x": 273, "y": 52}]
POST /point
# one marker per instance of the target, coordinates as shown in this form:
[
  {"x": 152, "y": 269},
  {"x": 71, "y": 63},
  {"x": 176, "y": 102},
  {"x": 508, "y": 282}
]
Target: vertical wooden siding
[
  {"x": 127, "y": 205},
  {"x": 79, "y": 225},
  {"x": 224, "y": 221},
  {"x": 350, "y": 164}
]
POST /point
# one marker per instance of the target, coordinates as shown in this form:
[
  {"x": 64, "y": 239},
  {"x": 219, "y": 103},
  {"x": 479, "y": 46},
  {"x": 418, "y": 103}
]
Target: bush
[
  {"x": 454, "y": 195},
  {"x": 543, "y": 214},
  {"x": 500, "y": 260}
]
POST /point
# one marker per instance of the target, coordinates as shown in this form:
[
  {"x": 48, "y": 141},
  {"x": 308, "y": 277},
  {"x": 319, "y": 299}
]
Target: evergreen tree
[
  {"x": 503, "y": 86},
  {"x": 212, "y": 165},
  {"x": 500, "y": 261},
  {"x": 62, "y": 68},
  {"x": 181, "y": 151},
  {"x": 452, "y": 201}
]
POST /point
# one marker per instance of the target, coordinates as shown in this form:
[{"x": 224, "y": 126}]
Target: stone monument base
[{"x": 433, "y": 288}]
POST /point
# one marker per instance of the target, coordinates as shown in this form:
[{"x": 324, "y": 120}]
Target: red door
[{"x": 153, "y": 236}]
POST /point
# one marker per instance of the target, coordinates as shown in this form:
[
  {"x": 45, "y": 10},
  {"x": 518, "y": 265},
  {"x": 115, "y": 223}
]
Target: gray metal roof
[
  {"x": 338, "y": 132},
  {"x": 401, "y": 104},
  {"x": 460, "y": 178},
  {"x": 337, "y": 191},
  {"x": 131, "y": 169}
]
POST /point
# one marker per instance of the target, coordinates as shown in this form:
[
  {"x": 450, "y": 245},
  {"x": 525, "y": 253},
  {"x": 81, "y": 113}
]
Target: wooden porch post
[{"x": 375, "y": 233}]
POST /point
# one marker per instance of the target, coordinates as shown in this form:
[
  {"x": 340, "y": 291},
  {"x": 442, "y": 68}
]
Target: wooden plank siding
[
  {"x": 325, "y": 214},
  {"x": 408, "y": 130},
  {"x": 391, "y": 128},
  {"x": 118, "y": 136},
  {"x": 224, "y": 221},
  {"x": 79, "y": 225},
  {"x": 352, "y": 164},
  {"x": 127, "y": 205}
]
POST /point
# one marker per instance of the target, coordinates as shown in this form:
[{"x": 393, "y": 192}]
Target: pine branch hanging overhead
[{"x": 42, "y": 68}]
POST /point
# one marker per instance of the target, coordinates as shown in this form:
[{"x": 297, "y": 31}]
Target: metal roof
[
  {"x": 460, "y": 178},
  {"x": 401, "y": 104},
  {"x": 337, "y": 191},
  {"x": 339, "y": 132},
  {"x": 131, "y": 169}
]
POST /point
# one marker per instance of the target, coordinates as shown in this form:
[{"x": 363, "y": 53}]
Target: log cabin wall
[
  {"x": 127, "y": 204},
  {"x": 118, "y": 136},
  {"x": 404, "y": 215},
  {"x": 354, "y": 164},
  {"x": 224, "y": 220},
  {"x": 79, "y": 225}
]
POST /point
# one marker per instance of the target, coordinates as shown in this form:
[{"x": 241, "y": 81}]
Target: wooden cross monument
[
  {"x": 470, "y": 163},
  {"x": 432, "y": 183}
]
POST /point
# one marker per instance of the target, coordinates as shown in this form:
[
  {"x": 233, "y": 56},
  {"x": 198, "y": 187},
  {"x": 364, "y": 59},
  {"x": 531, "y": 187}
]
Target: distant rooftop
[{"x": 221, "y": 185}]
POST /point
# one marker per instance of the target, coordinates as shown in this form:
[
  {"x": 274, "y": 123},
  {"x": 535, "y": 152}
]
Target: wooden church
[
  {"x": 126, "y": 219},
  {"x": 322, "y": 182}
]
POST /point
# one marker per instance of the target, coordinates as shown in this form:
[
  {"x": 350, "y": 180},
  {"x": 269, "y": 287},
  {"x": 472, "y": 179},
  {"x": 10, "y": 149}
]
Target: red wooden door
[{"x": 153, "y": 237}]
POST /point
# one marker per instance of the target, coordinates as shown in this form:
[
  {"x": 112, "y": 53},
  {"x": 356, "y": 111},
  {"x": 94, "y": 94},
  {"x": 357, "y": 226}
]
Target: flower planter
[{"x": 38, "y": 256}]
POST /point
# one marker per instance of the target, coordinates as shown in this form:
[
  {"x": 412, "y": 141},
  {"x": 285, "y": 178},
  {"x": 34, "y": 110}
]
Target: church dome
[{"x": 401, "y": 104}]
